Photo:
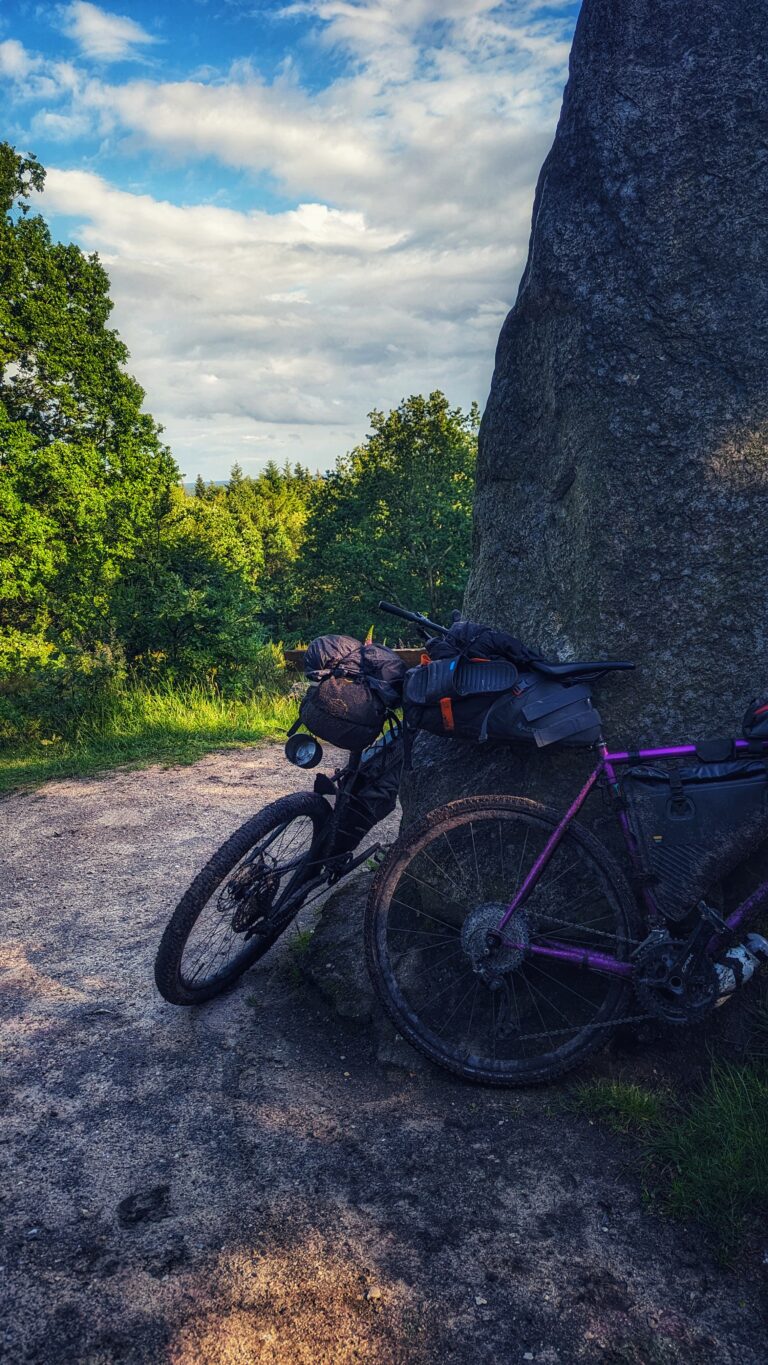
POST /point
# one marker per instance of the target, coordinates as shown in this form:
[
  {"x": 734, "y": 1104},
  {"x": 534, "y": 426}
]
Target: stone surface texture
[
  {"x": 622, "y": 498},
  {"x": 622, "y": 494}
]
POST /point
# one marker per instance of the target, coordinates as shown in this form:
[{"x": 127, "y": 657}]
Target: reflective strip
[{"x": 446, "y": 711}]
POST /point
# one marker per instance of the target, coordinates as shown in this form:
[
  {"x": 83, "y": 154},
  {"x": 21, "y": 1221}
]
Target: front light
[{"x": 303, "y": 751}]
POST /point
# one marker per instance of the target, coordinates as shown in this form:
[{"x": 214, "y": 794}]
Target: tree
[
  {"x": 393, "y": 519},
  {"x": 84, "y": 474},
  {"x": 188, "y": 608},
  {"x": 271, "y": 513}
]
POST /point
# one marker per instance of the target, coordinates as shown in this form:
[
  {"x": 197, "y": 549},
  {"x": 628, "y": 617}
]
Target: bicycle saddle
[{"x": 584, "y": 671}]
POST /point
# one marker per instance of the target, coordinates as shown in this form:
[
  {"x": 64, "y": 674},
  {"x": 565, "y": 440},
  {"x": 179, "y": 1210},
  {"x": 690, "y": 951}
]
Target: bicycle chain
[
  {"x": 609, "y": 1023},
  {"x": 600, "y": 933}
]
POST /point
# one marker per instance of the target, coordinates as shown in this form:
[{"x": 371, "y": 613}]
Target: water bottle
[{"x": 740, "y": 963}]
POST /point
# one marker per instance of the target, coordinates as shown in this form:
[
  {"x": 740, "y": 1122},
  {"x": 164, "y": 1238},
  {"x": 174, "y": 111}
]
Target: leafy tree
[
  {"x": 393, "y": 520},
  {"x": 84, "y": 474},
  {"x": 108, "y": 570},
  {"x": 271, "y": 513},
  {"x": 188, "y": 608}
]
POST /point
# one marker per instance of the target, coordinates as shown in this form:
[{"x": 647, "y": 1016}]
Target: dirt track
[{"x": 246, "y": 1183}]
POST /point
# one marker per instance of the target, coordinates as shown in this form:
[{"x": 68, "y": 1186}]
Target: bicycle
[
  {"x": 506, "y": 944},
  {"x": 287, "y": 855}
]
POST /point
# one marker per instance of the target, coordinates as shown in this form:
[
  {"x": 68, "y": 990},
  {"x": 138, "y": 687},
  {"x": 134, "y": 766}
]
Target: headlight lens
[{"x": 303, "y": 751}]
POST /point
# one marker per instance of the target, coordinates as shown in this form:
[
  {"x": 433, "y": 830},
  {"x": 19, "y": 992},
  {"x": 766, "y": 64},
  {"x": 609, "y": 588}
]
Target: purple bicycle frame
[{"x": 602, "y": 962}]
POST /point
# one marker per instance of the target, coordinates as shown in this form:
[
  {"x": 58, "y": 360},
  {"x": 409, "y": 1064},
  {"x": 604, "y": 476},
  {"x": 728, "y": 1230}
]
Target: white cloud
[
  {"x": 411, "y": 175},
  {"x": 103, "y": 36},
  {"x": 15, "y": 61},
  {"x": 306, "y": 318}
]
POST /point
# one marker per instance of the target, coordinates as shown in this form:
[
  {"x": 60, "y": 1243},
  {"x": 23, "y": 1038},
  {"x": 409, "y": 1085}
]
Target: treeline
[{"x": 112, "y": 574}]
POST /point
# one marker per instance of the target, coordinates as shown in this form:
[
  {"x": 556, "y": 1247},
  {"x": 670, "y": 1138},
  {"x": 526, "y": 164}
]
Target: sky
[{"x": 308, "y": 209}]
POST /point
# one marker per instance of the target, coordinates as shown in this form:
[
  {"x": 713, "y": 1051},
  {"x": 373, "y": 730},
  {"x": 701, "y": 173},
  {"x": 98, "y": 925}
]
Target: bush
[{"x": 46, "y": 697}]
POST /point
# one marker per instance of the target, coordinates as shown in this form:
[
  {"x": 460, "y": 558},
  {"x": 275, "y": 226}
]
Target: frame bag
[
  {"x": 373, "y": 793},
  {"x": 695, "y": 824}
]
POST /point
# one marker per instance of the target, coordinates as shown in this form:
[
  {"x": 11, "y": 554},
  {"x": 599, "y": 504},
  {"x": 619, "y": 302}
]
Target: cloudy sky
[{"x": 307, "y": 208}]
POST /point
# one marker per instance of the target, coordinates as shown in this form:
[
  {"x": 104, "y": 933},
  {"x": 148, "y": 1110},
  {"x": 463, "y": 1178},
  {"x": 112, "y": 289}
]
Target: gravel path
[{"x": 245, "y": 1183}]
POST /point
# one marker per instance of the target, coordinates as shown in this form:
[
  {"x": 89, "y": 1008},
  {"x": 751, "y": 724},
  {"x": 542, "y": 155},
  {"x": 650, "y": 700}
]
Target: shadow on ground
[{"x": 249, "y": 1183}]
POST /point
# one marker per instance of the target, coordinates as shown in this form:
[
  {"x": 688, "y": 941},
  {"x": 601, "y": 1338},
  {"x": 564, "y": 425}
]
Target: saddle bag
[
  {"x": 491, "y": 699},
  {"x": 695, "y": 824}
]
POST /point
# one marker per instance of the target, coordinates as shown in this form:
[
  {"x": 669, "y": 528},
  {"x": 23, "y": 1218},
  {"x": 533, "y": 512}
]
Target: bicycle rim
[
  {"x": 434, "y": 900},
  {"x": 251, "y": 906}
]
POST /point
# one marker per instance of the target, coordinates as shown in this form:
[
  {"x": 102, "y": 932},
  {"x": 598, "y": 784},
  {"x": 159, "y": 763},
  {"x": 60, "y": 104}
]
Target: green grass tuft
[
  {"x": 144, "y": 725},
  {"x": 299, "y": 943},
  {"x": 620, "y": 1105},
  {"x": 713, "y": 1157}
]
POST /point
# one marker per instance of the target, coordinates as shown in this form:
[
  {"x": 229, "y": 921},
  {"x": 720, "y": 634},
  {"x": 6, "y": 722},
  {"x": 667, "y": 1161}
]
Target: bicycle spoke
[
  {"x": 457, "y": 1006},
  {"x": 427, "y": 915},
  {"x": 560, "y": 985},
  {"x": 273, "y": 864},
  {"x": 526, "y": 1010}
]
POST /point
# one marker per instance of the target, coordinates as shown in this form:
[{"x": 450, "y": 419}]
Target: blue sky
[{"x": 307, "y": 208}]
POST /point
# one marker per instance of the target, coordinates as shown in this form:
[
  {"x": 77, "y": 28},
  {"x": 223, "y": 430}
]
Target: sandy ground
[{"x": 247, "y": 1183}]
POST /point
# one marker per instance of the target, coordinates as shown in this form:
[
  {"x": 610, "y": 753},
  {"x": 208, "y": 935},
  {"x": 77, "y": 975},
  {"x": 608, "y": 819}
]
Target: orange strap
[{"x": 446, "y": 711}]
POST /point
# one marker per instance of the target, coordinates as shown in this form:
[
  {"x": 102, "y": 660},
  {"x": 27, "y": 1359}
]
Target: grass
[
  {"x": 298, "y": 947},
  {"x": 621, "y": 1106},
  {"x": 713, "y": 1157},
  {"x": 706, "y": 1159},
  {"x": 145, "y": 725}
]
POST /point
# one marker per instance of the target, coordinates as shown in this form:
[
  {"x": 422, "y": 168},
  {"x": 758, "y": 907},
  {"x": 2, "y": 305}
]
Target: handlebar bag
[
  {"x": 693, "y": 825},
  {"x": 342, "y": 656},
  {"x": 343, "y": 711},
  {"x": 492, "y": 699}
]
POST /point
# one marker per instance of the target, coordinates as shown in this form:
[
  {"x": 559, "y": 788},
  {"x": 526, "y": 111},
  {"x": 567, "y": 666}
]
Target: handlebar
[{"x": 423, "y": 622}]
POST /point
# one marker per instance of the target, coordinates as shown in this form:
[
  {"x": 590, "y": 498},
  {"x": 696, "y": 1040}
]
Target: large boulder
[
  {"x": 334, "y": 962},
  {"x": 622, "y": 490}
]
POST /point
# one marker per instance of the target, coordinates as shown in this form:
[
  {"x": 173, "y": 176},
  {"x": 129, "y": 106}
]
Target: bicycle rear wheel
[
  {"x": 440, "y": 890},
  {"x": 242, "y": 900}
]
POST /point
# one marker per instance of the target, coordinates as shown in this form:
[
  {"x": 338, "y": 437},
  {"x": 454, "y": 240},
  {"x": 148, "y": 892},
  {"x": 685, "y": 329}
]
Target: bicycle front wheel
[
  {"x": 242, "y": 900},
  {"x": 526, "y": 1017}
]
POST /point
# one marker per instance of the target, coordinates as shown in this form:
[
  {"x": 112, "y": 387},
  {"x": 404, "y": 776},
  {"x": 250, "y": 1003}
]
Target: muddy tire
[
  {"x": 183, "y": 973},
  {"x": 442, "y": 886}
]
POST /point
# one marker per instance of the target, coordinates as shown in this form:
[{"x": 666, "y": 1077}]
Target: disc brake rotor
[{"x": 248, "y": 895}]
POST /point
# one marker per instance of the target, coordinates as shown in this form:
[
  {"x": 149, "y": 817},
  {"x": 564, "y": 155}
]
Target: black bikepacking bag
[
  {"x": 755, "y": 723},
  {"x": 471, "y": 640},
  {"x": 373, "y": 793},
  {"x": 480, "y": 700},
  {"x": 343, "y": 712},
  {"x": 695, "y": 824},
  {"x": 341, "y": 656},
  {"x": 356, "y": 685}
]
